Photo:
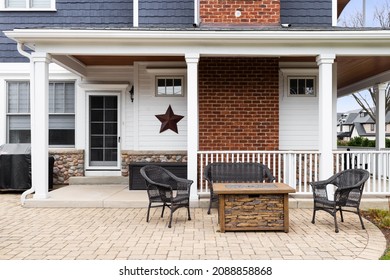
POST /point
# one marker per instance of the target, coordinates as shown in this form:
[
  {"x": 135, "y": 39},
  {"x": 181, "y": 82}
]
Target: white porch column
[
  {"x": 39, "y": 99},
  {"x": 325, "y": 65},
  {"x": 192, "y": 122},
  {"x": 380, "y": 115}
]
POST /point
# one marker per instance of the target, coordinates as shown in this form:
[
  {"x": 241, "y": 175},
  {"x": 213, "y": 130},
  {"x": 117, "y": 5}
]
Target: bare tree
[
  {"x": 382, "y": 16},
  {"x": 354, "y": 20},
  {"x": 364, "y": 103}
]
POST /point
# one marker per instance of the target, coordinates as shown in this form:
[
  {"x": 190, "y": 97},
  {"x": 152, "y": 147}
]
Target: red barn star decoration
[{"x": 169, "y": 120}]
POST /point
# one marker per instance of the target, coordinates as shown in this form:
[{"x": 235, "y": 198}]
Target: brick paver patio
[{"x": 122, "y": 233}]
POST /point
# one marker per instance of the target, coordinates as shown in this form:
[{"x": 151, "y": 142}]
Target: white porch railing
[
  {"x": 293, "y": 168},
  {"x": 376, "y": 162},
  {"x": 298, "y": 168}
]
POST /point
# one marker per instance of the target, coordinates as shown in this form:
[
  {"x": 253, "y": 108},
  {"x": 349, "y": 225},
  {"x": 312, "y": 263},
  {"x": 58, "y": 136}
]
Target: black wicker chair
[
  {"x": 348, "y": 193},
  {"x": 166, "y": 189},
  {"x": 232, "y": 172}
]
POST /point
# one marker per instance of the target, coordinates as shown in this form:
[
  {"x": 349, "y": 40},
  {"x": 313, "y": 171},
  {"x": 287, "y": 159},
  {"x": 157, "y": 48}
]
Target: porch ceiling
[{"x": 350, "y": 69}]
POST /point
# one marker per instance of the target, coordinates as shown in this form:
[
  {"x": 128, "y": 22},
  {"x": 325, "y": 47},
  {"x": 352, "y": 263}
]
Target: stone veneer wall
[
  {"x": 257, "y": 212},
  {"x": 150, "y": 156},
  {"x": 67, "y": 163}
]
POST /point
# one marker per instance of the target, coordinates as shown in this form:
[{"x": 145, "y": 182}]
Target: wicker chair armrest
[
  {"x": 319, "y": 189},
  {"x": 268, "y": 173},
  {"x": 324, "y": 183},
  {"x": 319, "y": 184}
]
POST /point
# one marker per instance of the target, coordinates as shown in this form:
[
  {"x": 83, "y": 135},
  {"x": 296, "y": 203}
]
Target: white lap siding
[
  {"x": 298, "y": 127},
  {"x": 149, "y": 136}
]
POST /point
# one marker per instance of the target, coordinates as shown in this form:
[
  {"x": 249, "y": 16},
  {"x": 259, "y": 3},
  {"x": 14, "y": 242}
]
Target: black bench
[{"x": 235, "y": 172}]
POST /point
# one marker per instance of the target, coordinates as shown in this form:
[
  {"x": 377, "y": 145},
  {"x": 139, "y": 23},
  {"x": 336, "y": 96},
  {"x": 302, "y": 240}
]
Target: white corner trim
[
  {"x": 135, "y": 13},
  {"x": 334, "y": 13}
]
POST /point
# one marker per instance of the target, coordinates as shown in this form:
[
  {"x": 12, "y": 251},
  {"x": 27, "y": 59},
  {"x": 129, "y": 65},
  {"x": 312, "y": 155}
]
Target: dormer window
[{"x": 26, "y": 5}]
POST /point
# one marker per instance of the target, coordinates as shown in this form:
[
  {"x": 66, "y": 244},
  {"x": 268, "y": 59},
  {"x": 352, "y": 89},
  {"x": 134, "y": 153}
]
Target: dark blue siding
[
  {"x": 166, "y": 13},
  {"x": 314, "y": 13},
  {"x": 69, "y": 14}
]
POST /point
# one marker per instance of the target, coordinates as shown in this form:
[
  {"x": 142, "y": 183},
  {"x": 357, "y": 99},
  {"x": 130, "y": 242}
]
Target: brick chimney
[{"x": 240, "y": 12}]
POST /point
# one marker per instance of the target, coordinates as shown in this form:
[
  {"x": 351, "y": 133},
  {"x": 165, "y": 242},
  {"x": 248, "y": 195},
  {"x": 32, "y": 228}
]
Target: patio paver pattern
[{"x": 123, "y": 233}]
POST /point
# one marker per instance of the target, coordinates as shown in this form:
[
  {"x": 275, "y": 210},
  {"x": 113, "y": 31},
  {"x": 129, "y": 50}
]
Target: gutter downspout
[
  {"x": 196, "y": 13},
  {"x": 20, "y": 47}
]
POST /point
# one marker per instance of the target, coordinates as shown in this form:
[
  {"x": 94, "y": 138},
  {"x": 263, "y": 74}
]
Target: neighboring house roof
[
  {"x": 344, "y": 134},
  {"x": 351, "y": 118},
  {"x": 361, "y": 131}
]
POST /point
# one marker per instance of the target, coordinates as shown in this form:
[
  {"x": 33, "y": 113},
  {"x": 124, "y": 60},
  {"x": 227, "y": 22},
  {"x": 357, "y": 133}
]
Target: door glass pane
[
  {"x": 111, "y": 154},
  {"x": 97, "y": 102},
  {"x": 110, "y": 102},
  {"x": 110, "y": 141},
  {"x": 111, "y": 128},
  {"x": 111, "y": 115},
  {"x": 97, "y": 115},
  {"x": 97, "y": 128},
  {"x": 96, "y": 141},
  {"x": 96, "y": 155}
]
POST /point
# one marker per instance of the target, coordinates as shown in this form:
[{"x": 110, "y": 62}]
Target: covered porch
[{"x": 338, "y": 58}]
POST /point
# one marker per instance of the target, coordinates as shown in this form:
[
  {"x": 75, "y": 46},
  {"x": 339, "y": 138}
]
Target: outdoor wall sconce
[{"x": 132, "y": 94}]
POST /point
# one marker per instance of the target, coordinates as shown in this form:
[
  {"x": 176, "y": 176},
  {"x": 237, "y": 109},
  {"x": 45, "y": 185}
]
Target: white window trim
[
  {"x": 298, "y": 73},
  {"x": 183, "y": 85},
  {"x": 51, "y": 9}
]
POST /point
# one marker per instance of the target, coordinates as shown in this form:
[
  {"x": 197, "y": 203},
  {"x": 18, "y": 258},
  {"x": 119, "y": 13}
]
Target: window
[
  {"x": 18, "y": 112},
  {"x": 28, "y": 4},
  {"x": 61, "y": 113},
  {"x": 169, "y": 86},
  {"x": 301, "y": 86}
]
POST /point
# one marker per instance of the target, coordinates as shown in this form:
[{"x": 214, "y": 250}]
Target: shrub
[{"x": 356, "y": 141}]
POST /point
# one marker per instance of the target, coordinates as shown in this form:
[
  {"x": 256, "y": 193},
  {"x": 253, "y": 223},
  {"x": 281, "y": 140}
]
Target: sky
[{"x": 348, "y": 103}]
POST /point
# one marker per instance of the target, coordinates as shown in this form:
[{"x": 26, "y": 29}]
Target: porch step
[{"x": 99, "y": 180}]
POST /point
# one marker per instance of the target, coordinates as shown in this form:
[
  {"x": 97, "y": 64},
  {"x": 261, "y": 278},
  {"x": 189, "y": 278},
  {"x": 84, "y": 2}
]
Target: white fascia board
[
  {"x": 139, "y": 42},
  {"x": 55, "y": 34}
]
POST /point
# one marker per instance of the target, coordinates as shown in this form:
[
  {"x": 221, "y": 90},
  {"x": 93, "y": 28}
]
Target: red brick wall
[
  {"x": 260, "y": 12},
  {"x": 238, "y": 104}
]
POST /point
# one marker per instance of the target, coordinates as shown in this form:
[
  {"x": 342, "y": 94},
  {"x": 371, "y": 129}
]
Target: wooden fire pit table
[{"x": 253, "y": 206}]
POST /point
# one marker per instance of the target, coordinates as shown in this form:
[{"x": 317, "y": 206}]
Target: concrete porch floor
[{"x": 119, "y": 196}]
